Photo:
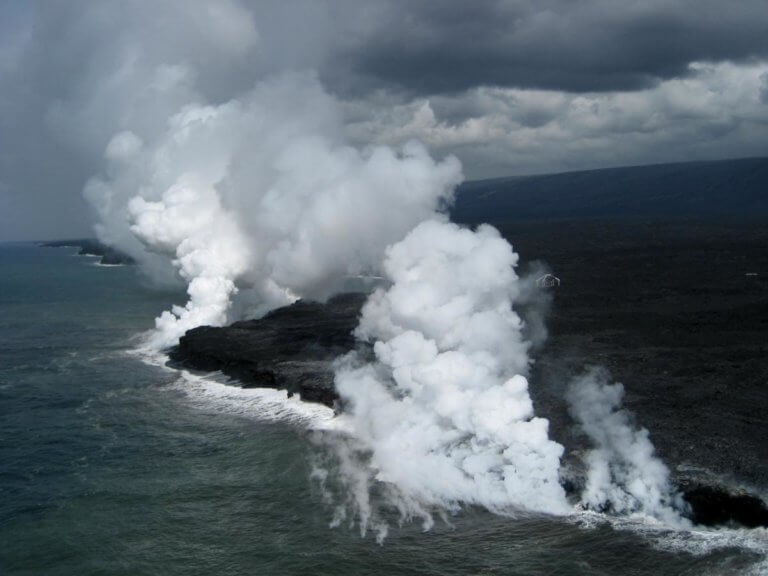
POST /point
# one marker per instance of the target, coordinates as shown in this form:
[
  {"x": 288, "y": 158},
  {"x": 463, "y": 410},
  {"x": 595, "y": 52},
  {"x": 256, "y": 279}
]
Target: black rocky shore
[
  {"x": 91, "y": 247},
  {"x": 291, "y": 348}
]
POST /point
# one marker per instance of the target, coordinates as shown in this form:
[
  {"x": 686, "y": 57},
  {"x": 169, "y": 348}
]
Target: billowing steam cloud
[
  {"x": 624, "y": 474},
  {"x": 260, "y": 198},
  {"x": 258, "y": 201},
  {"x": 443, "y": 411},
  {"x": 210, "y": 252}
]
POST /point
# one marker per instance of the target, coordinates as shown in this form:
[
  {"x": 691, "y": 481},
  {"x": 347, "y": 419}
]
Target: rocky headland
[
  {"x": 90, "y": 247},
  {"x": 291, "y": 348}
]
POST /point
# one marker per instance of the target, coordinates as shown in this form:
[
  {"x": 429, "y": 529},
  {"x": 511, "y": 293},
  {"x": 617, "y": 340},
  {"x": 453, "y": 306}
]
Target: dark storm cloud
[
  {"x": 74, "y": 73},
  {"x": 431, "y": 46}
]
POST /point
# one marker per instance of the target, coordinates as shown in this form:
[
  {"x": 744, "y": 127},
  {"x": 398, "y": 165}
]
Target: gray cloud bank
[
  {"x": 599, "y": 45},
  {"x": 509, "y": 87}
]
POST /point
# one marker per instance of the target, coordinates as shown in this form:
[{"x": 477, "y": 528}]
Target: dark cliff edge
[
  {"x": 713, "y": 505},
  {"x": 90, "y": 247},
  {"x": 291, "y": 348}
]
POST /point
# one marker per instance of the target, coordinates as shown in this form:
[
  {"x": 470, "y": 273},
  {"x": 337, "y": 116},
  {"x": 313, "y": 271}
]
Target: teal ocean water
[{"x": 112, "y": 464}]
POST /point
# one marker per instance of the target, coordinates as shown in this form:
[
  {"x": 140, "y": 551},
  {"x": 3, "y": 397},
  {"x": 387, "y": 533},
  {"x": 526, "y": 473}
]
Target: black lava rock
[
  {"x": 290, "y": 348},
  {"x": 91, "y": 247},
  {"x": 716, "y": 506}
]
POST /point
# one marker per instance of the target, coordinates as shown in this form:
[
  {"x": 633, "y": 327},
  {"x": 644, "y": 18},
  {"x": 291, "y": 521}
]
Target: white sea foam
[
  {"x": 702, "y": 542},
  {"x": 214, "y": 392},
  {"x": 207, "y": 393},
  {"x": 695, "y": 541}
]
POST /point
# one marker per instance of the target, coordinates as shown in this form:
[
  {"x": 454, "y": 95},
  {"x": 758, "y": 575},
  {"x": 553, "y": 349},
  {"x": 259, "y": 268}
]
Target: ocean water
[{"x": 111, "y": 463}]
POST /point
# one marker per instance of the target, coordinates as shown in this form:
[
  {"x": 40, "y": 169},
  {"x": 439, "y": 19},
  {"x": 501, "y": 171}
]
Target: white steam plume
[
  {"x": 444, "y": 411},
  {"x": 209, "y": 250},
  {"x": 260, "y": 199},
  {"x": 255, "y": 200},
  {"x": 624, "y": 474}
]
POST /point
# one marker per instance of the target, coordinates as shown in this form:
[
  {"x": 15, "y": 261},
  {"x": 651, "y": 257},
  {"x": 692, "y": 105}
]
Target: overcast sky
[{"x": 510, "y": 87}]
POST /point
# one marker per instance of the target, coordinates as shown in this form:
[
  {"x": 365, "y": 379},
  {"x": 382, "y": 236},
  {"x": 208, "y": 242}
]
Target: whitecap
[{"x": 215, "y": 392}]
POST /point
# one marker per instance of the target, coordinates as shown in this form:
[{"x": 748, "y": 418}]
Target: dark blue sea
[{"x": 111, "y": 463}]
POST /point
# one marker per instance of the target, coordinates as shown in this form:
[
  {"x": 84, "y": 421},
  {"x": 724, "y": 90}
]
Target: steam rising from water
[
  {"x": 624, "y": 474},
  {"x": 258, "y": 201},
  {"x": 443, "y": 411},
  {"x": 210, "y": 252}
]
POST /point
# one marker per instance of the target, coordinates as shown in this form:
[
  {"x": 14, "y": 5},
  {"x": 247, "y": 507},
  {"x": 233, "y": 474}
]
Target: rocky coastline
[
  {"x": 108, "y": 256},
  {"x": 291, "y": 348}
]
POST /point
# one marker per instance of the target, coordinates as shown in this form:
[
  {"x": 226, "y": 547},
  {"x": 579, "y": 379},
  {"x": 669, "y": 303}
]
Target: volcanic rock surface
[
  {"x": 291, "y": 348},
  {"x": 90, "y": 247}
]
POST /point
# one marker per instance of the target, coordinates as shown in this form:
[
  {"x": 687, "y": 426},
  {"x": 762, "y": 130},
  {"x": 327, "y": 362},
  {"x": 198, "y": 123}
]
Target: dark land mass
[
  {"x": 688, "y": 190},
  {"x": 676, "y": 309},
  {"x": 291, "y": 348},
  {"x": 91, "y": 247}
]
